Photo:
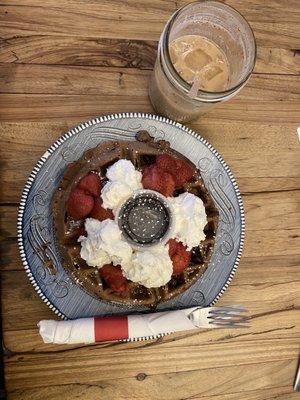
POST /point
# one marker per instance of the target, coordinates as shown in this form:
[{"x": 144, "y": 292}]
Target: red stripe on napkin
[{"x": 110, "y": 328}]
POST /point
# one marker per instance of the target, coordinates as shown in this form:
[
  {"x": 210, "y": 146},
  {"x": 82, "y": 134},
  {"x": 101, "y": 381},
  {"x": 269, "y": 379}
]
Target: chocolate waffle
[{"x": 141, "y": 153}]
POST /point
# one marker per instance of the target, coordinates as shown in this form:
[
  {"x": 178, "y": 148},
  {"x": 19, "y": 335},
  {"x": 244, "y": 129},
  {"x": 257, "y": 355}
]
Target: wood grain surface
[{"x": 62, "y": 62}]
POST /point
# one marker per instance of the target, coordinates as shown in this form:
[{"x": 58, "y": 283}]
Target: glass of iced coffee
[{"x": 206, "y": 54}]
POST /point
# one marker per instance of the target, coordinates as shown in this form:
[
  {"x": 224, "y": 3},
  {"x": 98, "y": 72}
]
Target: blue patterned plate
[{"x": 36, "y": 236}]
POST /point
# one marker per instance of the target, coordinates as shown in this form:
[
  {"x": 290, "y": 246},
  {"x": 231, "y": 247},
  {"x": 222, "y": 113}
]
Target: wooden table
[{"x": 66, "y": 61}]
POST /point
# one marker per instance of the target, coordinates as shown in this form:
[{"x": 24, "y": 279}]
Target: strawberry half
[
  {"x": 91, "y": 184},
  {"x": 99, "y": 212},
  {"x": 79, "y": 204},
  {"x": 179, "y": 255},
  {"x": 166, "y": 163},
  {"x": 158, "y": 180},
  {"x": 180, "y": 170},
  {"x": 114, "y": 278}
]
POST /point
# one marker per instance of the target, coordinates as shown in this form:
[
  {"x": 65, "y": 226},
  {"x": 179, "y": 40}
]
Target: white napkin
[{"x": 91, "y": 330}]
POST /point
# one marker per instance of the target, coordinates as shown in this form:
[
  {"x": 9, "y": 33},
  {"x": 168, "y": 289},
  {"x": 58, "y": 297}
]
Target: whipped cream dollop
[
  {"x": 104, "y": 244},
  {"x": 189, "y": 219},
  {"x": 123, "y": 181},
  {"x": 151, "y": 267}
]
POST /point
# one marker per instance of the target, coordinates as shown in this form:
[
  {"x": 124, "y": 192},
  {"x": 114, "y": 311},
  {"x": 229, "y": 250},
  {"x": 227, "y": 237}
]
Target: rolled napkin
[{"x": 102, "y": 329}]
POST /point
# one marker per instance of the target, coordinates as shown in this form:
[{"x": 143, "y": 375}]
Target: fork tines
[{"x": 229, "y": 317}]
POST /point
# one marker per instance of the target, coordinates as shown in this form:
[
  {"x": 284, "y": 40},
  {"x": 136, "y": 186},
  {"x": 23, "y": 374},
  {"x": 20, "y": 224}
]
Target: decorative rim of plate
[{"x": 78, "y": 129}]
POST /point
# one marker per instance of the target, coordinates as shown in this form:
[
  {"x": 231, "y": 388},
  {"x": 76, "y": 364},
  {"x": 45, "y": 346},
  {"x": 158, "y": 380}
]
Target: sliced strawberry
[
  {"x": 114, "y": 278},
  {"x": 183, "y": 174},
  {"x": 166, "y": 163},
  {"x": 99, "y": 212},
  {"x": 179, "y": 255},
  {"x": 79, "y": 204},
  {"x": 156, "y": 179},
  {"x": 172, "y": 247},
  {"x": 180, "y": 170},
  {"x": 91, "y": 184}
]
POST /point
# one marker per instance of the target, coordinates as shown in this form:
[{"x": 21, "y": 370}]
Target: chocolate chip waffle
[{"x": 141, "y": 153}]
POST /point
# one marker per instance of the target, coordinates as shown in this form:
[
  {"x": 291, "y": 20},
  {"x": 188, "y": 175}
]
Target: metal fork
[{"x": 233, "y": 316}]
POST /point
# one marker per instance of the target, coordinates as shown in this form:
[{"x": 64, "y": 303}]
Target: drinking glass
[{"x": 223, "y": 26}]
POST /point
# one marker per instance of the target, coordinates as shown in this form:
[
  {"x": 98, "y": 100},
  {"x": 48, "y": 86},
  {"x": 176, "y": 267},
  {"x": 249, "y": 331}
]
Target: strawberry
[
  {"x": 166, "y": 163},
  {"x": 91, "y": 184},
  {"x": 156, "y": 179},
  {"x": 79, "y": 204},
  {"x": 99, "y": 212},
  {"x": 172, "y": 247},
  {"x": 179, "y": 255},
  {"x": 114, "y": 278},
  {"x": 180, "y": 170}
]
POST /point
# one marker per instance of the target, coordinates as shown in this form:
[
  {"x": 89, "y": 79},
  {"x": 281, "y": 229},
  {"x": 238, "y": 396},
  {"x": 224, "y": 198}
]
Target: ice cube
[
  {"x": 211, "y": 72},
  {"x": 197, "y": 59}
]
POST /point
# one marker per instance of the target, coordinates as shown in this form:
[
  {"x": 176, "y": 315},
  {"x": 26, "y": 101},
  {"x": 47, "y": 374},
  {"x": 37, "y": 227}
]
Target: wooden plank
[
  {"x": 106, "y": 52},
  {"x": 94, "y": 21},
  {"x": 253, "y": 10},
  {"x": 10, "y": 259},
  {"x": 102, "y": 52},
  {"x": 275, "y": 184},
  {"x": 278, "y": 393},
  {"x": 18, "y": 294},
  {"x": 265, "y": 270},
  {"x": 266, "y": 99},
  {"x": 34, "y": 107},
  {"x": 272, "y": 210},
  {"x": 30, "y": 107},
  {"x": 274, "y": 60},
  {"x": 36, "y": 370},
  {"x": 239, "y": 138},
  {"x": 133, "y": 20},
  {"x": 263, "y": 164},
  {"x": 93, "y": 80},
  {"x": 140, "y": 391},
  {"x": 50, "y": 79},
  {"x": 271, "y": 243},
  {"x": 8, "y": 219},
  {"x": 117, "y": 10}
]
